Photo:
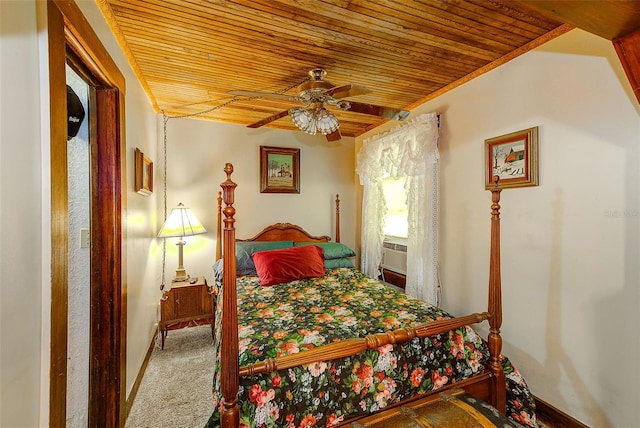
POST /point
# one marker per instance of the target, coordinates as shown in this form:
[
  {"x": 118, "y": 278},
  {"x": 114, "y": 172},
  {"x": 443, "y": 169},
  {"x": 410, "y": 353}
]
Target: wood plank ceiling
[{"x": 188, "y": 54}]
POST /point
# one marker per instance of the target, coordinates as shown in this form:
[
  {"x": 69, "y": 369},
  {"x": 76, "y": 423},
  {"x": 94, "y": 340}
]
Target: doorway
[
  {"x": 78, "y": 300},
  {"x": 72, "y": 43}
]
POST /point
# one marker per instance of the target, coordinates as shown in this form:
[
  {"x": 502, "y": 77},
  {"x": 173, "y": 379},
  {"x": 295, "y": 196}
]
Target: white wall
[
  {"x": 197, "y": 151},
  {"x": 140, "y": 247},
  {"x": 570, "y": 246},
  {"x": 79, "y": 294},
  {"x": 25, "y": 214},
  {"x": 21, "y": 217}
]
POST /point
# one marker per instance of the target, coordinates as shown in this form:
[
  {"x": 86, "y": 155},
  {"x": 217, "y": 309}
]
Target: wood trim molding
[
  {"x": 59, "y": 218},
  {"x": 69, "y": 29},
  {"x": 608, "y": 19},
  {"x": 556, "y": 416},
  {"x": 108, "y": 325},
  {"x": 84, "y": 41},
  {"x": 140, "y": 376},
  {"x": 628, "y": 49}
]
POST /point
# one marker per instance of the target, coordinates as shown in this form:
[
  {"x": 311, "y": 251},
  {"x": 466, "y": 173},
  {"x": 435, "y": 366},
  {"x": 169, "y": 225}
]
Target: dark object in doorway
[{"x": 75, "y": 113}]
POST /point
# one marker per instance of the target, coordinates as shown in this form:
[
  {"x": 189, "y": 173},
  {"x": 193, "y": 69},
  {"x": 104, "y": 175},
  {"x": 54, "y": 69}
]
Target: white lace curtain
[{"x": 411, "y": 151}]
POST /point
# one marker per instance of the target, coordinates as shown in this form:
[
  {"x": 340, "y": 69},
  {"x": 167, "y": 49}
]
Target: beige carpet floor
[{"x": 175, "y": 391}]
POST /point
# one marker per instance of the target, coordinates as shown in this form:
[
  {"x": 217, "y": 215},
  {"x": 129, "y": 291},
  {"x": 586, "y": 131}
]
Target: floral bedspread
[{"x": 292, "y": 317}]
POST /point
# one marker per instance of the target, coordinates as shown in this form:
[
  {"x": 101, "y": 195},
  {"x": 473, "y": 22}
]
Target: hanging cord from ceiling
[{"x": 165, "y": 120}]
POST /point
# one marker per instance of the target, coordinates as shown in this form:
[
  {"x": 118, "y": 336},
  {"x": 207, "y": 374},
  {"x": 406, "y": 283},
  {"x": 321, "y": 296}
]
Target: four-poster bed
[{"x": 396, "y": 354}]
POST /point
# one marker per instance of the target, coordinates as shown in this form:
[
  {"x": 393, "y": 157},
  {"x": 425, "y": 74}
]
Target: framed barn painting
[
  {"x": 279, "y": 170},
  {"x": 513, "y": 158}
]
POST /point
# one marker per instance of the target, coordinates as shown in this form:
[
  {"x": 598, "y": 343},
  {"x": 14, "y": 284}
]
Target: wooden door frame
[{"x": 68, "y": 29}]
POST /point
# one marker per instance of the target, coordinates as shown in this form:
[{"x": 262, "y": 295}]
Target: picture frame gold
[
  {"x": 143, "y": 173},
  {"x": 279, "y": 170},
  {"x": 513, "y": 158}
]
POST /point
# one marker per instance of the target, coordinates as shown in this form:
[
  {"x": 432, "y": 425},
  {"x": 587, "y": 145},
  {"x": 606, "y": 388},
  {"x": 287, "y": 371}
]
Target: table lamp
[{"x": 180, "y": 223}]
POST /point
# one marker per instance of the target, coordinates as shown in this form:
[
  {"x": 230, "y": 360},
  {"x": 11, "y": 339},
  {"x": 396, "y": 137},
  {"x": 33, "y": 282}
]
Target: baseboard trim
[
  {"x": 557, "y": 416},
  {"x": 143, "y": 369}
]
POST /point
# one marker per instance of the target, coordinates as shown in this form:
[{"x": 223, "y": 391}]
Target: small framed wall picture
[
  {"x": 513, "y": 158},
  {"x": 144, "y": 173},
  {"x": 279, "y": 170}
]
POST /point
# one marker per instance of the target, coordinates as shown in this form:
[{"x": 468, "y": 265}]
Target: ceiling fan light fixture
[
  {"x": 303, "y": 119},
  {"x": 314, "y": 120},
  {"x": 326, "y": 121},
  {"x": 315, "y": 93}
]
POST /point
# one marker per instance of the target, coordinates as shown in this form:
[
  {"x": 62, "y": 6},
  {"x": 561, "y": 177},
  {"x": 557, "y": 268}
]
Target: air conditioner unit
[{"x": 394, "y": 257}]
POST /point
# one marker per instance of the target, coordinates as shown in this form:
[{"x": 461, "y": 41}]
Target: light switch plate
[{"x": 85, "y": 238}]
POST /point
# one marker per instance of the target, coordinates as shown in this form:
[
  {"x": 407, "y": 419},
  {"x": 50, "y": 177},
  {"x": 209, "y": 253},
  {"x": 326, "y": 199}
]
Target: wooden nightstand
[{"x": 186, "y": 304}]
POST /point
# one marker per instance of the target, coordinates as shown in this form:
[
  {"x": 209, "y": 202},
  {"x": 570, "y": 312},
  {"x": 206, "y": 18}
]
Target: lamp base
[{"x": 181, "y": 276}]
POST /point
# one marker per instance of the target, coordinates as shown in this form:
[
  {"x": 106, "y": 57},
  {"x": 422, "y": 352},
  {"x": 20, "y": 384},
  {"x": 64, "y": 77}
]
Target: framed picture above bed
[
  {"x": 513, "y": 158},
  {"x": 279, "y": 170}
]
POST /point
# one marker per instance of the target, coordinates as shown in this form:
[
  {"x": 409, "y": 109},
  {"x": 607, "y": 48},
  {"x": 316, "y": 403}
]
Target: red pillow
[{"x": 288, "y": 264}]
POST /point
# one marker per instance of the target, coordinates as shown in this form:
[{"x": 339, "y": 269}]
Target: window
[{"x": 395, "y": 196}]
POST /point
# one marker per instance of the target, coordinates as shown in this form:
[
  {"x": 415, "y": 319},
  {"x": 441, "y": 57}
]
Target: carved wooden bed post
[
  {"x": 218, "y": 227},
  {"x": 230, "y": 380},
  {"x": 498, "y": 391}
]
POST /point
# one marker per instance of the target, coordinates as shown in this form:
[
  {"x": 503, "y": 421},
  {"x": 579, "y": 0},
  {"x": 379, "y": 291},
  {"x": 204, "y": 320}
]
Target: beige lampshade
[{"x": 181, "y": 222}]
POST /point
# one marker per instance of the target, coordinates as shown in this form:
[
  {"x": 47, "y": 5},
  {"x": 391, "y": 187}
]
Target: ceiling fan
[{"x": 315, "y": 94}]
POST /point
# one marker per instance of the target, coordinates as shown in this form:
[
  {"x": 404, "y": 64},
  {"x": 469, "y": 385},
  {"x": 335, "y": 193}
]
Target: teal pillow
[
  {"x": 332, "y": 250},
  {"x": 218, "y": 270},
  {"x": 244, "y": 250},
  {"x": 342, "y": 262}
]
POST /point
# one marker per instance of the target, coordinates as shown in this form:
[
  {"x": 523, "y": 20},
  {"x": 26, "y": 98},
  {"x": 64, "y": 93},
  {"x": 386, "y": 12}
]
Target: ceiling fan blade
[
  {"x": 334, "y": 136},
  {"x": 374, "y": 110},
  {"x": 269, "y": 119},
  {"x": 349, "y": 90},
  {"x": 263, "y": 95}
]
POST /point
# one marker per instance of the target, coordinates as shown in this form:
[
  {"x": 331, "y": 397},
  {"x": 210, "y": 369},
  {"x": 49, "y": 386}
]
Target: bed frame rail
[
  {"x": 346, "y": 348},
  {"x": 231, "y": 372}
]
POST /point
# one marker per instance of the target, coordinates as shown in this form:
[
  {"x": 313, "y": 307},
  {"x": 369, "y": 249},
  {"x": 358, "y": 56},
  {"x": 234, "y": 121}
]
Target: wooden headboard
[
  {"x": 286, "y": 232},
  {"x": 278, "y": 231}
]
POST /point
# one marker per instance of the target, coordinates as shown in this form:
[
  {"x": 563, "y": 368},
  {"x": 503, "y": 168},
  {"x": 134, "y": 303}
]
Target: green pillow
[
  {"x": 332, "y": 250},
  {"x": 338, "y": 263},
  {"x": 244, "y": 250}
]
